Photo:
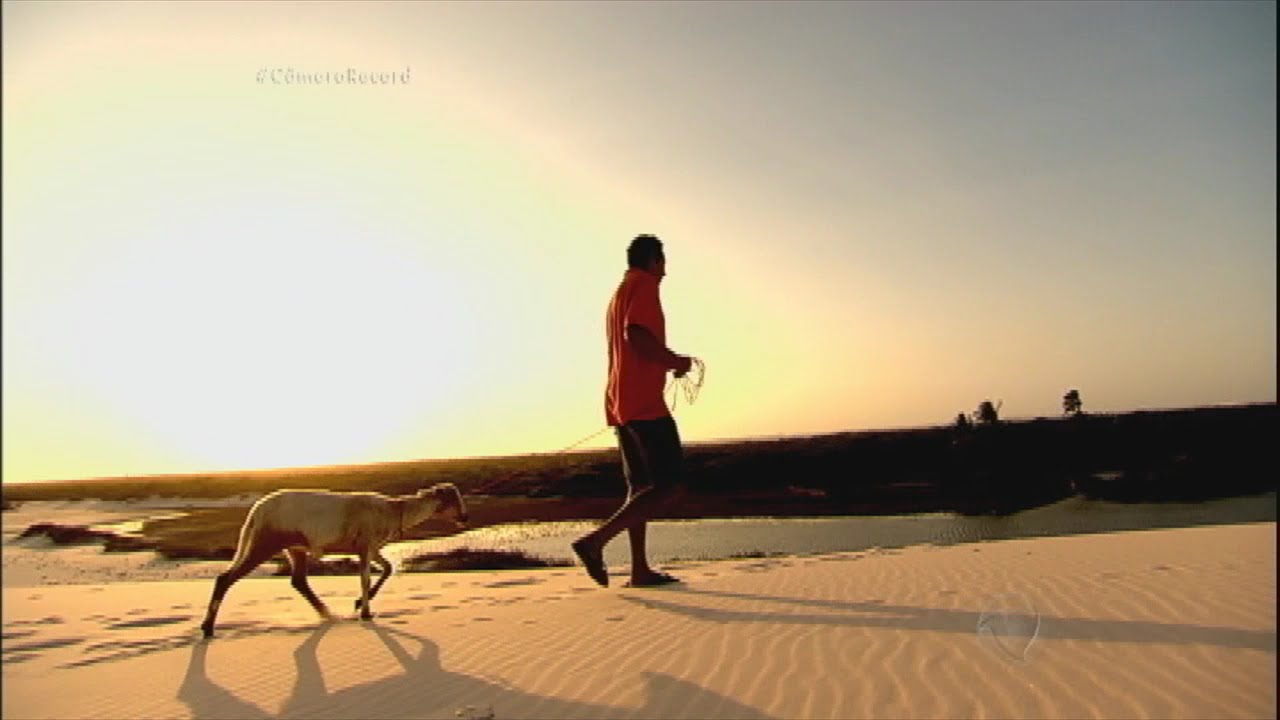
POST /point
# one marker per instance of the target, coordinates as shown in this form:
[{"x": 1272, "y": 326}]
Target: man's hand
[
  {"x": 653, "y": 351},
  {"x": 683, "y": 363}
]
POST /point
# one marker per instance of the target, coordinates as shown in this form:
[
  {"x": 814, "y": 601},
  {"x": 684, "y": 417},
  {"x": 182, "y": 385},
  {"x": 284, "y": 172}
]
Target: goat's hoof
[
  {"x": 366, "y": 615},
  {"x": 207, "y": 630}
]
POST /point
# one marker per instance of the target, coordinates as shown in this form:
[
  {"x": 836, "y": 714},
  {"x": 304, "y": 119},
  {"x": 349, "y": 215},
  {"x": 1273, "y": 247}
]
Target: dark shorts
[{"x": 651, "y": 453}]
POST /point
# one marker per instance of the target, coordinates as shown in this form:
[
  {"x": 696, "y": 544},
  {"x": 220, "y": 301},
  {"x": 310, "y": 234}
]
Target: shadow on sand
[
  {"x": 908, "y": 617},
  {"x": 427, "y": 690}
]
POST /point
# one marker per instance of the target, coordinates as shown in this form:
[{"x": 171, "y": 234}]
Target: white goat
[{"x": 314, "y": 523}]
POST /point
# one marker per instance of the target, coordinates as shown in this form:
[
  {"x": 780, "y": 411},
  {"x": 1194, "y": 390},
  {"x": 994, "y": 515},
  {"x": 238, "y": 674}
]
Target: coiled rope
[{"x": 688, "y": 384}]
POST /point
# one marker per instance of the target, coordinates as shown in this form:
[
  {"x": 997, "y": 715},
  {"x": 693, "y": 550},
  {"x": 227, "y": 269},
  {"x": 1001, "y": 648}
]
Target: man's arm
[{"x": 650, "y": 349}]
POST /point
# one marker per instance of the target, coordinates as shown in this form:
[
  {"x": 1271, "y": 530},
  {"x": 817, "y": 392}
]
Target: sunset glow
[{"x": 204, "y": 270}]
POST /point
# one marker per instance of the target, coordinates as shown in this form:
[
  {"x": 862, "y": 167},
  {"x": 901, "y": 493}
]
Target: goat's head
[{"x": 449, "y": 502}]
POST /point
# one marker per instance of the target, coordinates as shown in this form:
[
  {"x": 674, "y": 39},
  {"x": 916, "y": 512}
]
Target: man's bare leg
[
  {"x": 639, "y": 508},
  {"x": 641, "y": 574},
  {"x": 639, "y": 558}
]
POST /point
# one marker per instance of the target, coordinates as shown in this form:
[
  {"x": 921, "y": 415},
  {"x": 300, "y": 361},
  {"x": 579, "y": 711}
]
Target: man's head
[{"x": 645, "y": 253}]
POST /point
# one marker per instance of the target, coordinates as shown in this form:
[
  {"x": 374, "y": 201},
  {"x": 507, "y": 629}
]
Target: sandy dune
[{"x": 1165, "y": 623}]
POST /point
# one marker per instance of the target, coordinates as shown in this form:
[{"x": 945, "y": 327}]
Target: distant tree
[
  {"x": 962, "y": 421},
  {"x": 987, "y": 414},
  {"x": 1071, "y": 403}
]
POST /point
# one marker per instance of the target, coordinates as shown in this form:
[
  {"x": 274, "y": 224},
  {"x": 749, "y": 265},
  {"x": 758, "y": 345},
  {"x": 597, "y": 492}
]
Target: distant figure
[{"x": 634, "y": 406}]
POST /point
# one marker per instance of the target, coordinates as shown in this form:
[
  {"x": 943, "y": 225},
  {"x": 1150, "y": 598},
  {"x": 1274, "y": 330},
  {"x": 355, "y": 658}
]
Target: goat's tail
[{"x": 247, "y": 532}]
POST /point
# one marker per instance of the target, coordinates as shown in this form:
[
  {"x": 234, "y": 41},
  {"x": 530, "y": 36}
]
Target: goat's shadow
[
  {"x": 910, "y": 617},
  {"x": 427, "y": 690}
]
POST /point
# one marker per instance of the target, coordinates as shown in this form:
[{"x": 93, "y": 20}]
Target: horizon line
[{"x": 604, "y": 447}]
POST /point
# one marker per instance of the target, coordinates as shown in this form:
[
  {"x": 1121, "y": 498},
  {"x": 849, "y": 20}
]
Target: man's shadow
[
  {"x": 425, "y": 689},
  {"x": 909, "y": 617}
]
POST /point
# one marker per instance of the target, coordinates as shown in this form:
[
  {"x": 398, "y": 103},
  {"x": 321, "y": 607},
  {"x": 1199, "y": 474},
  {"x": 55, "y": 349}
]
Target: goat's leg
[
  {"x": 386, "y": 573},
  {"x": 298, "y": 565},
  {"x": 365, "y": 612},
  {"x": 261, "y": 552}
]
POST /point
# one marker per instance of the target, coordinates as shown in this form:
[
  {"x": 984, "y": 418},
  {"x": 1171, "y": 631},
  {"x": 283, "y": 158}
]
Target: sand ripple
[{"x": 1167, "y": 623}]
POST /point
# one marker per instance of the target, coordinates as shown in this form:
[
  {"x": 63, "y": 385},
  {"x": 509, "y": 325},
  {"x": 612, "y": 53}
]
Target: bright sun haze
[{"x": 875, "y": 215}]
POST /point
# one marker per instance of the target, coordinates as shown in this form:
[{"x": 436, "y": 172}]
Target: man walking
[{"x": 634, "y": 406}]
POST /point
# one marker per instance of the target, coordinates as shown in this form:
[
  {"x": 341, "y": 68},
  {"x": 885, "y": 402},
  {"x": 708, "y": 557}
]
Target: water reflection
[{"x": 723, "y": 538}]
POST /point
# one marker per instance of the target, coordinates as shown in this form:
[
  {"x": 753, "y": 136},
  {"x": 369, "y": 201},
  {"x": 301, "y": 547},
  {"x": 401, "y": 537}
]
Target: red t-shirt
[{"x": 634, "y": 390}]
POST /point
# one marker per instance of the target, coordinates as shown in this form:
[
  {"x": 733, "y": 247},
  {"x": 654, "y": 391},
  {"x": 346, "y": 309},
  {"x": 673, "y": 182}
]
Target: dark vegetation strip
[{"x": 1199, "y": 453}]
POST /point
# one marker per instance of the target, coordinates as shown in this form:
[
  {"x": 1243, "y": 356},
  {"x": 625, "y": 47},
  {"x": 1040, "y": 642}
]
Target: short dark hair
[{"x": 643, "y": 250}]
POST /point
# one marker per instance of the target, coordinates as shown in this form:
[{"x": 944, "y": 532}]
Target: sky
[{"x": 253, "y": 235}]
